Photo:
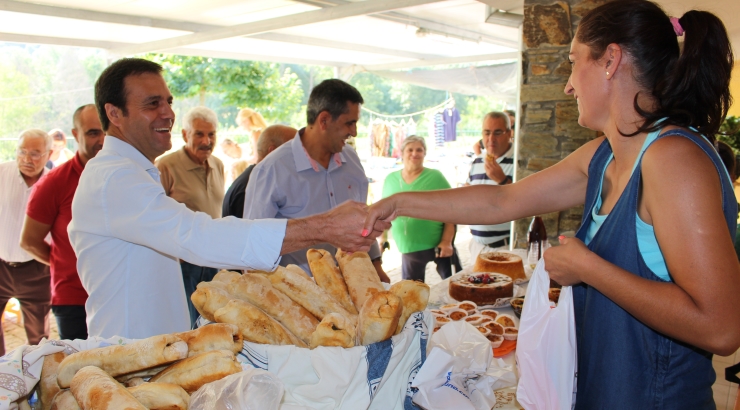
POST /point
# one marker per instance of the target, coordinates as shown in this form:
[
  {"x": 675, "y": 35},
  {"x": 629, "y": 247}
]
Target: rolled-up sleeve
[{"x": 152, "y": 219}]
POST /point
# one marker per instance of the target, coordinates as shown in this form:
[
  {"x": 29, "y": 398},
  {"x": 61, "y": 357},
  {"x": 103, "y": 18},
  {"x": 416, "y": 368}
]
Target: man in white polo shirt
[
  {"x": 128, "y": 234},
  {"x": 21, "y": 276}
]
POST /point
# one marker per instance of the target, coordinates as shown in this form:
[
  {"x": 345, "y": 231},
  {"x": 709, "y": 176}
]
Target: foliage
[
  {"x": 257, "y": 85},
  {"x": 730, "y": 133}
]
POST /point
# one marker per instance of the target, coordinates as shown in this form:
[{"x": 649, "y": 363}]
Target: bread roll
[
  {"x": 360, "y": 276},
  {"x": 196, "y": 371},
  {"x": 414, "y": 298},
  {"x": 48, "y": 387},
  {"x": 226, "y": 276},
  {"x": 161, "y": 396},
  {"x": 64, "y": 400},
  {"x": 209, "y": 297},
  {"x": 378, "y": 318},
  {"x": 328, "y": 277},
  {"x": 254, "y": 325},
  {"x": 334, "y": 330},
  {"x": 257, "y": 290},
  {"x": 94, "y": 389},
  {"x": 297, "y": 269},
  {"x": 304, "y": 291},
  {"x": 216, "y": 336},
  {"x": 117, "y": 360}
]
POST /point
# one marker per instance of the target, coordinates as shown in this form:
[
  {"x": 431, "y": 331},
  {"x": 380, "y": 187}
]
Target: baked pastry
[
  {"x": 360, "y": 276},
  {"x": 64, "y": 400},
  {"x": 210, "y": 297},
  {"x": 161, "y": 396},
  {"x": 216, "y": 336},
  {"x": 259, "y": 291},
  {"x": 500, "y": 262},
  {"x": 226, "y": 276},
  {"x": 334, "y": 330},
  {"x": 196, "y": 371},
  {"x": 48, "y": 387},
  {"x": 378, "y": 318},
  {"x": 117, "y": 360},
  {"x": 255, "y": 325},
  {"x": 328, "y": 277},
  {"x": 297, "y": 269},
  {"x": 481, "y": 288},
  {"x": 94, "y": 389},
  {"x": 414, "y": 298},
  {"x": 304, "y": 291}
]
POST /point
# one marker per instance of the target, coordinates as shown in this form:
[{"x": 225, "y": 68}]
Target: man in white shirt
[
  {"x": 128, "y": 235},
  {"x": 21, "y": 276}
]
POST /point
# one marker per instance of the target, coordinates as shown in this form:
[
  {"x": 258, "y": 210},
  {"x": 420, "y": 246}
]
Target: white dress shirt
[
  {"x": 128, "y": 236},
  {"x": 13, "y": 200}
]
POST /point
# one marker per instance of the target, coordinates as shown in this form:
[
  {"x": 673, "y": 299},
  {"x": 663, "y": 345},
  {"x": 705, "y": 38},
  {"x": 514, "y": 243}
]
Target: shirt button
[{"x": 331, "y": 193}]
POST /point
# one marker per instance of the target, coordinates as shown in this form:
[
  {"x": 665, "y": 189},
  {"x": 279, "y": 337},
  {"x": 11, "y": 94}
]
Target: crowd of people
[{"x": 116, "y": 236}]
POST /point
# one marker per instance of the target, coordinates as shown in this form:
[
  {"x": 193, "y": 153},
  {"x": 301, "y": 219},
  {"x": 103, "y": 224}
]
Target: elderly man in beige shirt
[{"x": 192, "y": 176}]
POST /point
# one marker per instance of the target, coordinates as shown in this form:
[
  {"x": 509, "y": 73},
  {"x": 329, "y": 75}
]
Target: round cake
[
  {"x": 481, "y": 288},
  {"x": 500, "y": 262}
]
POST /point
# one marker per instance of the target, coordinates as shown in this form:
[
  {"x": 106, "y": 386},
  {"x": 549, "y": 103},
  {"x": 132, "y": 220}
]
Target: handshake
[{"x": 345, "y": 227}]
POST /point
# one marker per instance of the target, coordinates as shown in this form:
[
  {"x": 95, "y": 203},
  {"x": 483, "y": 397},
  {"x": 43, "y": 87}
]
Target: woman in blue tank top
[{"x": 655, "y": 276}]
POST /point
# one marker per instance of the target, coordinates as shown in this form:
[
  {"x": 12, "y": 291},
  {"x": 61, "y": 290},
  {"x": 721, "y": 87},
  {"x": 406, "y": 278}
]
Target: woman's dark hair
[
  {"x": 691, "y": 87},
  {"x": 110, "y": 85}
]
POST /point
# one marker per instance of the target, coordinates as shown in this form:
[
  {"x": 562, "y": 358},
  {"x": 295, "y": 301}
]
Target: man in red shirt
[{"x": 49, "y": 210}]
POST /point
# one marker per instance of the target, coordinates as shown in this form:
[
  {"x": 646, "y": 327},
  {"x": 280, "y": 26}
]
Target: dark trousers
[
  {"x": 71, "y": 321},
  {"x": 29, "y": 282},
  {"x": 414, "y": 264},
  {"x": 192, "y": 275}
]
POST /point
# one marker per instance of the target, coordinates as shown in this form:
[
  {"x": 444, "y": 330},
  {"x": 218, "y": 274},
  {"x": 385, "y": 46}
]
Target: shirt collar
[
  {"x": 126, "y": 150},
  {"x": 303, "y": 161},
  {"x": 189, "y": 163}
]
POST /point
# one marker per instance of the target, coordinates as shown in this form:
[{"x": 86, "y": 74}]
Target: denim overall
[{"x": 622, "y": 363}]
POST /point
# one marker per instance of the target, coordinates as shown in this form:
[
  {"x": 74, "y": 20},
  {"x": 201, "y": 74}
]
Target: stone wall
[{"x": 549, "y": 117}]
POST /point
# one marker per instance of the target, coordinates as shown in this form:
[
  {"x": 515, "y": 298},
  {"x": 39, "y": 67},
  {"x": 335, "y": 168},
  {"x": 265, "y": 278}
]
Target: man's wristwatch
[
  {"x": 379, "y": 258},
  {"x": 506, "y": 180}
]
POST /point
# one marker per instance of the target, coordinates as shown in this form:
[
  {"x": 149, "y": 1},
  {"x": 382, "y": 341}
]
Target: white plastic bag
[
  {"x": 546, "y": 348},
  {"x": 460, "y": 372},
  {"x": 251, "y": 389}
]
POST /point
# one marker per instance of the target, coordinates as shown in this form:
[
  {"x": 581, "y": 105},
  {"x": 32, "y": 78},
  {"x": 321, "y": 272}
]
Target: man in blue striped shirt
[{"x": 495, "y": 166}]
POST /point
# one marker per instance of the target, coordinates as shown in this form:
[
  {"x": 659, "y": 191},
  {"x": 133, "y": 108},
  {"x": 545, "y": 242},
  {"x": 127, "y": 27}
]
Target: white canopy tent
[{"x": 354, "y": 36}]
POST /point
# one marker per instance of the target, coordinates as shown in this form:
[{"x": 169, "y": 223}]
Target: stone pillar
[{"x": 549, "y": 117}]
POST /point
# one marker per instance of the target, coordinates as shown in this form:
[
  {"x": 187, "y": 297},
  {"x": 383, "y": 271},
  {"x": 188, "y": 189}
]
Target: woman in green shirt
[{"x": 419, "y": 241}]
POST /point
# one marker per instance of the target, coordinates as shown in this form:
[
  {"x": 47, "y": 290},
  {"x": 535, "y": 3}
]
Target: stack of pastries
[
  {"x": 112, "y": 377},
  {"x": 344, "y": 304}
]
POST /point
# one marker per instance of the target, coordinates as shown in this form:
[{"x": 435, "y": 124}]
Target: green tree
[
  {"x": 730, "y": 133},
  {"x": 261, "y": 86}
]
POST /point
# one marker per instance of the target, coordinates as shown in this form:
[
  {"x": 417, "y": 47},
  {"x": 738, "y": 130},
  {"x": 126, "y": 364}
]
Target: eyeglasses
[
  {"x": 34, "y": 155},
  {"x": 499, "y": 133}
]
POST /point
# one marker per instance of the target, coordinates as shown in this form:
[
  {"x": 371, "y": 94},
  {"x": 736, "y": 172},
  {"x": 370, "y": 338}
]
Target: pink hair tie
[{"x": 677, "y": 26}]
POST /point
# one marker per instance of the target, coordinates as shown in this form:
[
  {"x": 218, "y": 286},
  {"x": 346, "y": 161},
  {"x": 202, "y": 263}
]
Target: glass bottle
[{"x": 537, "y": 241}]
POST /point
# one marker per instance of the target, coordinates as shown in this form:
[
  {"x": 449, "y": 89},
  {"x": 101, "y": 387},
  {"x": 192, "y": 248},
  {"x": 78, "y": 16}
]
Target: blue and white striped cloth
[{"x": 377, "y": 376}]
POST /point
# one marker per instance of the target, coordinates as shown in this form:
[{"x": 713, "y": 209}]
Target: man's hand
[
  {"x": 341, "y": 227},
  {"x": 344, "y": 228},
  {"x": 494, "y": 170}
]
